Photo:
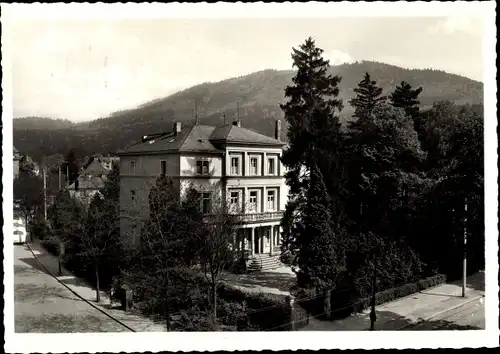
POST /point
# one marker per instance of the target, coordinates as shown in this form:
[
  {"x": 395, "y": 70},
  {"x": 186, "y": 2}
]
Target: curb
[{"x": 454, "y": 307}]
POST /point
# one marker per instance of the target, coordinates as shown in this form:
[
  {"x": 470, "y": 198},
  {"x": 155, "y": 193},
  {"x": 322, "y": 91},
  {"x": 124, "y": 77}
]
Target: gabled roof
[
  {"x": 95, "y": 169},
  {"x": 91, "y": 177},
  {"x": 200, "y": 138}
]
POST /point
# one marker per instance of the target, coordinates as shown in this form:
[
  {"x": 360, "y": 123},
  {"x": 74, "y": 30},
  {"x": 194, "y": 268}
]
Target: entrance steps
[{"x": 264, "y": 262}]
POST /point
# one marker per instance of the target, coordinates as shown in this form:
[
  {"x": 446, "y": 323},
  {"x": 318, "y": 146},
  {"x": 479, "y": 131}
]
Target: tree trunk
[
  {"x": 214, "y": 298},
  {"x": 168, "y": 306},
  {"x": 59, "y": 264},
  {"x": 97, "y": 290}
]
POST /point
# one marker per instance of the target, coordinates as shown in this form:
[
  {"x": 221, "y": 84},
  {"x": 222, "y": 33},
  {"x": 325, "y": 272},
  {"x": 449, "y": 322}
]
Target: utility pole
[
  {"x": 464, "y": 275},
  {"x": 373, "y": 315},
  {"x": 45, "y": 192}
]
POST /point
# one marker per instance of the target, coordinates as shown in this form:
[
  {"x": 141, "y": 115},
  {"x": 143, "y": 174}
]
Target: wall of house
[
  {"x": 188, "y": 165},
  {"x": 136, "y": 185},
  {"x": 84, "y": 195},
  {"x": 262, "y": 182}
]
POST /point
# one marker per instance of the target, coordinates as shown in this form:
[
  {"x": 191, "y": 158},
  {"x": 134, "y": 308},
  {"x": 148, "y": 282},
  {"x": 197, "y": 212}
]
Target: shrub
[
  {"x": 264, "y": 311},
  {"x": 400, "y": 291}
]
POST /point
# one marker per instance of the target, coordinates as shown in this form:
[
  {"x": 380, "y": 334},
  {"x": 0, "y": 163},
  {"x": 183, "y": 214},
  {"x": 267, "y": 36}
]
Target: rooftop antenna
[{"x": 224, "y": 116}]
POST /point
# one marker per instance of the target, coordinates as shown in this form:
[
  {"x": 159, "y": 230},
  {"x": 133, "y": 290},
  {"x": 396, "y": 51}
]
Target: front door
[{"x": 256, "y": 242}]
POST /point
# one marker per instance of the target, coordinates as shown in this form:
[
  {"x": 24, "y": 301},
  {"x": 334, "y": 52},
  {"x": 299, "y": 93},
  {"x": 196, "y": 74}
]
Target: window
[
  {"x": 132, "y": 166},
  {"x": 235, "y": 196},
  {"x": 270, "y": 200},
  {"x": 271, "y": 167},
  {"x": 132, "y": 195},
  {"x": 253, "y": 166},
  {"x": 253, "y": 200},
  {"x": 235, "y": 166},
  {"x": 202, "y": 168},
  {"x": 163, "y": 167},
  {"x": 205, "y": 203}
]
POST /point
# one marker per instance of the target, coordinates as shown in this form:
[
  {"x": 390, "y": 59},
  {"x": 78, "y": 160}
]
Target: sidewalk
[
  {"x": 407, "y": 311},
  {"x": 136, "y": 322}
]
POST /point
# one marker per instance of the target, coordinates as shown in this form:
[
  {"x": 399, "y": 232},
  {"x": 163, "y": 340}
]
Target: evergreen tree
[
  {"x": 385, "y": 154},
  {"x": 404, "y": 96},
  {"x": 368, "y": 97},
  {"x": 320, "y": 254},
  {"x": 315, "y": 141}
]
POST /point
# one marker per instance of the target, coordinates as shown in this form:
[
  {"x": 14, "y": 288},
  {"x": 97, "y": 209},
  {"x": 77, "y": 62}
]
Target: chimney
[
  {"x": 177, "y": 128},
  {"x": 237, "y": 123},
  {"x": 277, "y": 132}
]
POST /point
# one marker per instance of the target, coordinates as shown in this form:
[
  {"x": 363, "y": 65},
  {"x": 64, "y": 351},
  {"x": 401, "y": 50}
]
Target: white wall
[{"x": 188, "y": 165}]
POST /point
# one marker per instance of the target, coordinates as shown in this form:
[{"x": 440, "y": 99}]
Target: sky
[{"x": 86, "y": 69}]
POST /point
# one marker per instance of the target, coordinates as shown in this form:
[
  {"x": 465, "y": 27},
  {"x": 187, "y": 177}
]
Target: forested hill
[
  {"x": 255, "y": 98},
  {"x": 41, "y": 123}
]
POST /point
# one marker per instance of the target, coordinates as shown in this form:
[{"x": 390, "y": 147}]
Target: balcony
[{"x": 255, "y": 217}]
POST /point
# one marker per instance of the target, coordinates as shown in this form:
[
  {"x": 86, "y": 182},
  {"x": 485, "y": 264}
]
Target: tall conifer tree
[
  {"x": 368, "y": 97},
  {"x": 314, "y": 143},
  {"x": 404, "y": 96}
]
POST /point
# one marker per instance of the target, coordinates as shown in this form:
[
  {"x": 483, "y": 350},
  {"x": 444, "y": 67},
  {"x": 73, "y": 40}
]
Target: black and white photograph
[{"x": 201, "y": 174}]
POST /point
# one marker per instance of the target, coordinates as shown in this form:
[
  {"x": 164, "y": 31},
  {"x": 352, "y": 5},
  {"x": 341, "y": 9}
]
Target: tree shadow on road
[
  {"x": 33, "y": 263},
  {"x": 386, "y": 321}
]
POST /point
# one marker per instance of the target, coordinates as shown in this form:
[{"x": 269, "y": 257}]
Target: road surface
[
  {"x": 43, "y": 305},
  {"x": 467, "y": 316}
]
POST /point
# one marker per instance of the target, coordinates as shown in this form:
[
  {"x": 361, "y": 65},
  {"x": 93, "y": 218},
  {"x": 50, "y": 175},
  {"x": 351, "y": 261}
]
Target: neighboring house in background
[
  {"x": 241, "y": 164},
  {"x": 17, "y": 159},
  {"x": 108, "y": 161},
  {"x": 89, "y": 181}
]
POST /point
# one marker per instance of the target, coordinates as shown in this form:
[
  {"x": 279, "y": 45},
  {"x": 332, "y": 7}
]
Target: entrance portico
[{"x": 259, "y": 239}]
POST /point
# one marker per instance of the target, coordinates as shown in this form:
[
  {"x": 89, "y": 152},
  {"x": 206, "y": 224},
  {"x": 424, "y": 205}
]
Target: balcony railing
[{"x": 269, "y": 215}]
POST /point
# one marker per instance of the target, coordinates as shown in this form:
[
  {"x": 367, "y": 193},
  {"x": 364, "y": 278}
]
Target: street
[
  {"x": 468, "y": 316},
  {"x": 43, "y": 305}
]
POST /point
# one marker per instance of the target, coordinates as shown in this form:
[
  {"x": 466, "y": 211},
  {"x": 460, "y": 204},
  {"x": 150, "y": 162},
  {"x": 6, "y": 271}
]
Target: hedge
[
  {"x": 264, "y": 311},
  {"x": 400, "y": 291}
]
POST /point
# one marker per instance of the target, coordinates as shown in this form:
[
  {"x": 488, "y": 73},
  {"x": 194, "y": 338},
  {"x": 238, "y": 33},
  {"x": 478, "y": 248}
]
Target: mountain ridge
[{"x": 254, "y": 98}]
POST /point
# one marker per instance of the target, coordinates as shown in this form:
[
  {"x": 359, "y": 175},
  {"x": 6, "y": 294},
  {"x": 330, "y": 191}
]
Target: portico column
[
  {"x": 271, "y": 239},
  {"x": 252, "y": 246}
]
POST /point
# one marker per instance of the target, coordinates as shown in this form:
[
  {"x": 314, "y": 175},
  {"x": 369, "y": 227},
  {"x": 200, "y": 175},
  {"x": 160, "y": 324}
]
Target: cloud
[
  {"x": 459, "y": 24},
  {"x": 337, "y": 57}
]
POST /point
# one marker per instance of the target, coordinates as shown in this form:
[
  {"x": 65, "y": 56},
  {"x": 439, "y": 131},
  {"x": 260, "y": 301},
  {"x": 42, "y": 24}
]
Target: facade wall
[
  {"x": 84, "y": 195},
  {"x": 138, "y": 174},
  {"x": 188, "y": 165},
  {"x": 258, "y": 178}
]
